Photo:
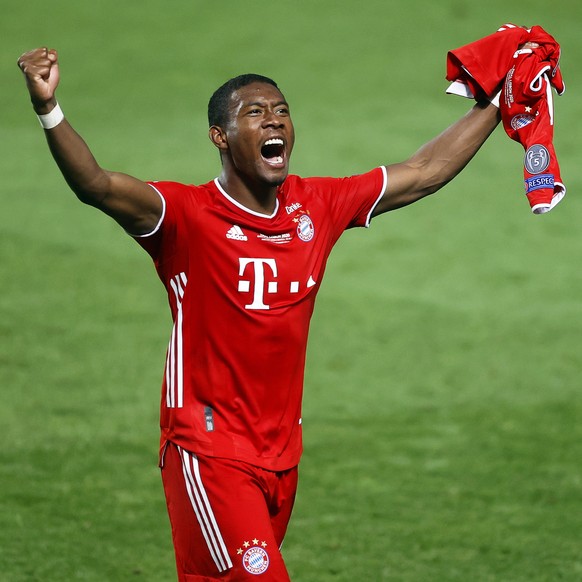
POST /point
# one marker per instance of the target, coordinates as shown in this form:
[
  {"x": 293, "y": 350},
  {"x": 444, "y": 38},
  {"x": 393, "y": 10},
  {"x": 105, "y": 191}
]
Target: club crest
[
  {"x": 521, "y": 120},
  {"x": 255, "y": 560},
  {"x": 305, "y": 228}
]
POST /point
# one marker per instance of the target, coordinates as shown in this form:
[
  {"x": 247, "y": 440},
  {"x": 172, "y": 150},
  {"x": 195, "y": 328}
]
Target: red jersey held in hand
[{"x": 527, "y": 111}]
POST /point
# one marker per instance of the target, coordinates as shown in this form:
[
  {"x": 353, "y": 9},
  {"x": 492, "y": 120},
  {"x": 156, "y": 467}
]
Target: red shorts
[{"x": 228, "y": 518}]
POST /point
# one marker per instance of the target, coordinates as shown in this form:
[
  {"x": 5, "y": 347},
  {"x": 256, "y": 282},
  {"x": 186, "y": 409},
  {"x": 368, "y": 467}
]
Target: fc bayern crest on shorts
[
  {"x": 305, "y": 228},
  {"x": 255, "y": 560}
]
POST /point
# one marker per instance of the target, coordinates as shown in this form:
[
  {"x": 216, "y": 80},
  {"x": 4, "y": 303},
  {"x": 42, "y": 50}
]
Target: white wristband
[{"x": 51, "y": 119}]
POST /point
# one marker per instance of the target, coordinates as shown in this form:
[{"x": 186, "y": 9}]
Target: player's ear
[{"x": 218, "y": 137}]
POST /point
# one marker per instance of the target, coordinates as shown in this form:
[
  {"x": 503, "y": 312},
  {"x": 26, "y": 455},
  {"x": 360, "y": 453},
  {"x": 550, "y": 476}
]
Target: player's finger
[
  {"x": 37, "y": 57},
  {"x": 34, "y": 54},
  {"x": 35, "y": 68},
  {"x": 529, "y": 45}
]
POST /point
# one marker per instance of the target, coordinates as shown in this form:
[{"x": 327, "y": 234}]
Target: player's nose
[{"x": 271, "y": 119}]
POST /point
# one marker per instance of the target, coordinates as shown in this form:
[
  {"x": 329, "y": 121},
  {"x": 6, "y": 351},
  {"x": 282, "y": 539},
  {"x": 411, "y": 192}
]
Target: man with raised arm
[{"x": 242, "y": 258}]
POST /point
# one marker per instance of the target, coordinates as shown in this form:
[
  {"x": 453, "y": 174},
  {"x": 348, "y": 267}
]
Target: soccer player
[{"x": 242, "y": 258}]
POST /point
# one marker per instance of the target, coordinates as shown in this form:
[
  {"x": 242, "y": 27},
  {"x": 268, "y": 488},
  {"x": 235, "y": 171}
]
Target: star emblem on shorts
[{"x": 247, "y": 544}]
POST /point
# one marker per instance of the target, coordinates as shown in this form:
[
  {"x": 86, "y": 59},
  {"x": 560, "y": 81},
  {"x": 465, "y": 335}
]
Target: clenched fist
[{"x": 41, "y": 71}]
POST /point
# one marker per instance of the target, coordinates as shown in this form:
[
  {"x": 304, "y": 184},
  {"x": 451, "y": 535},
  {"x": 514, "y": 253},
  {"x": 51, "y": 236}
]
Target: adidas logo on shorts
[{"x": 236, "y": 233}]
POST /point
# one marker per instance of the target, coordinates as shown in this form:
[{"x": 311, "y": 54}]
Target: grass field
[{"x": 443, "y": 406}]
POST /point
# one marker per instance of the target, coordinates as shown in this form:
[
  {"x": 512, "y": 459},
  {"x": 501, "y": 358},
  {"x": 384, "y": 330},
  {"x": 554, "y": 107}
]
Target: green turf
[{"x": 443, "y": 410}]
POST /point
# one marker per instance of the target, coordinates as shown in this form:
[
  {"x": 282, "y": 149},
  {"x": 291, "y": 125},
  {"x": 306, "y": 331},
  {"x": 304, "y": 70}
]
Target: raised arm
[
  {"x": 440, "y": 160},
  {"x": 131, "y": 202}
]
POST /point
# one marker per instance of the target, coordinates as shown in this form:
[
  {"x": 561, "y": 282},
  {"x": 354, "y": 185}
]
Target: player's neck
[{"x": 256, "y": 196}]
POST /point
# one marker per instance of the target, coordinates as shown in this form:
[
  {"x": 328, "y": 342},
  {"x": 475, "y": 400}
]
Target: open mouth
[{"x": 273, "y": 151}]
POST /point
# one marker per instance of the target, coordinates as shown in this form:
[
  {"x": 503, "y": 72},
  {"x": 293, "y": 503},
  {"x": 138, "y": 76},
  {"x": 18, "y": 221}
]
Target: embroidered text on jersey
[
  {"x": 292, "y": 207},
  {"x": 278, "y": 239}
]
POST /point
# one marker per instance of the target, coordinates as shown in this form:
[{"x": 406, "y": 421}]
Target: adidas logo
[{"x": 236, "y": 233}]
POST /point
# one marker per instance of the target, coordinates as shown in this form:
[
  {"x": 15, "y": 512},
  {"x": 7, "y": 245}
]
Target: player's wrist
[
  {"x": 42, "y": 107},
  {"x": 50, "y": 116}
]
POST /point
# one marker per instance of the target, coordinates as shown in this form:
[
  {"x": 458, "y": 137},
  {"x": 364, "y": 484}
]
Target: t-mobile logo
[
  {"x": 255, "y": 275},
  {"x": 258, "y": 274}
]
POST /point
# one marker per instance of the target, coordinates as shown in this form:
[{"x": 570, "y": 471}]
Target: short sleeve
[
  {"x": 173, "y": 197},
  {"x": 363, "y": 192},
  {"x": 351, "y": 200}
]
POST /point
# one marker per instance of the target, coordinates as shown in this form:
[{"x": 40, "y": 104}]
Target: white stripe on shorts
[{"x": 203, "y": 511}]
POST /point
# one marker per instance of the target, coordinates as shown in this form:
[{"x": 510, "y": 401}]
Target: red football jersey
[{"x": 241, "y": 287}]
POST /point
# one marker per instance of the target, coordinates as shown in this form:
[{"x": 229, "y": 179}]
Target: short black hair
[{"x": 220, "y": 100}]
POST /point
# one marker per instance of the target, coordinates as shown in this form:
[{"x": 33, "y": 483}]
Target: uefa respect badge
[{"x": 539, "y": 182}]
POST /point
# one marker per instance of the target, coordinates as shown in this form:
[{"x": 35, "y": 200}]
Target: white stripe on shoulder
[
  {"x": 383, "y": 191},
  {"x": 157, "y": 227}
]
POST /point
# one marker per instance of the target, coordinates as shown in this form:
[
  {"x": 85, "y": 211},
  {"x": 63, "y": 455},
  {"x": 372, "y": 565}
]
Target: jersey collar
[{"x": 242, "y": 207}]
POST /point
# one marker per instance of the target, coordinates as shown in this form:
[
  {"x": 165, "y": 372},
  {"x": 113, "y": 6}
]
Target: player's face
[{"x": 260, "y": 133}]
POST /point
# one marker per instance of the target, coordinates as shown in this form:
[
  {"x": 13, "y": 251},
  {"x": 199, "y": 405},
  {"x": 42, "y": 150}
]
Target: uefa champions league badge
[
  {"x": 255, "y": 559},
  {"x": 305, "y": 228},
  {"x": 537, "y": 159}
]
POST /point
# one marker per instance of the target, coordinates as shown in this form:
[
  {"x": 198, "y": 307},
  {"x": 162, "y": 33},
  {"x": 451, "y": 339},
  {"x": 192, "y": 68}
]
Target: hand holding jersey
[{"x": 525, "y": 62}]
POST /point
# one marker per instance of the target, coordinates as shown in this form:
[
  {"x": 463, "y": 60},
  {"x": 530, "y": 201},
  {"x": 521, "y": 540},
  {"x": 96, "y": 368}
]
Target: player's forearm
[
  {"x": 77, "y": 164},
  {"x": 440, "y": 160},
  {"x": 443, "y": 158},
  {"x": 131, "y": 202},
  {"x": 41, "y": 72}
]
